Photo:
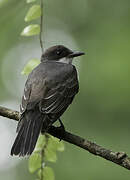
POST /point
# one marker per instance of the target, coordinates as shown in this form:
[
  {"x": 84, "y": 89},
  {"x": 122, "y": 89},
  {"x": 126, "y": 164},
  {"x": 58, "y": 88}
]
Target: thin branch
[
  {"x": 5, "y": 112},
  {"x": 42, "y": 154},
  {"x": 41, "y": 27},
  {"x": 119, "y": 158}
]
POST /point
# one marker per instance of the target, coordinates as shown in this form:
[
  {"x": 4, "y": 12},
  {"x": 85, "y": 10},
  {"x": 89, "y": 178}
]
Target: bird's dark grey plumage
[{"x": 49, "y": 90}]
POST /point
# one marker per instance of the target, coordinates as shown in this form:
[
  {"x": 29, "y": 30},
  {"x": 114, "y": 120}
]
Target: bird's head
[{"x": 60, "y": 53}]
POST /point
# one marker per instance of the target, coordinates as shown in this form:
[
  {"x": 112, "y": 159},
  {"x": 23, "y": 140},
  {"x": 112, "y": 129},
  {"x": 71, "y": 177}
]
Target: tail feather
[
  {"x": 28, "y": 133},
  {"x": 16, "y": 146},
  {"x": 24, "y": 150},
  {"x": 34, "y": 137}
]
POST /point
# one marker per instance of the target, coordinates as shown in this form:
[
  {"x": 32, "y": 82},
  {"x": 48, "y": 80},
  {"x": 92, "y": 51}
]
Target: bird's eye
[{"x": 58, "y": 52}]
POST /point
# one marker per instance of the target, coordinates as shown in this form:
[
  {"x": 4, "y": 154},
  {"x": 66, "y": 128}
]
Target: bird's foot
[
  {"x": 61, "y": 129},
  {"x": 62, "y": 125}
]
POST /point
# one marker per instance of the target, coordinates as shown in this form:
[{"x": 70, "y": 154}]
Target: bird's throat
[{"x": 66, "y": 60}]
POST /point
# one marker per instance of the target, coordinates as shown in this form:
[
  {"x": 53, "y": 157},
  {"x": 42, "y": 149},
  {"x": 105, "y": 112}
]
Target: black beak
[{"x": 75, "y": 54}]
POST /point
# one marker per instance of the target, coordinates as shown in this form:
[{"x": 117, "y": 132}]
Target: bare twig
[
  {"x": 43, "y": 153},
  {"x": 41, "y": 27},
  {"x": 119, "y": 158},
  {"x": 9, "y": 113}
]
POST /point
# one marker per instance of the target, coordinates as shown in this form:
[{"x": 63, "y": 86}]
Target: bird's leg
[
  {"x": 61, "y": 128},
  {"x": 61, "y": 124}
]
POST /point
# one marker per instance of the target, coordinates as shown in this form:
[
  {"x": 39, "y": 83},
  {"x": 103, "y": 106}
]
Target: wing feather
[{"x": 60, "y": 97}]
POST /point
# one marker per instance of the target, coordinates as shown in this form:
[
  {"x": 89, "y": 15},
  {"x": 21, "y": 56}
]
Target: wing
[
  {"x": 34, "y": 89},
  {"x": 33, "y": 92},
  {"x": 23, "y": 105},
  {"x": 59, "y": 97},
  {"x": 25, "y": 97}
]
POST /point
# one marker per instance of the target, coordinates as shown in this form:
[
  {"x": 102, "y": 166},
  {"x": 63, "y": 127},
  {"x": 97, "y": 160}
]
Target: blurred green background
[{"x": 100, "y": 112}]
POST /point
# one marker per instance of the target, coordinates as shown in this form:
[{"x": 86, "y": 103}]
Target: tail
[{"x": 28, "y": 133}]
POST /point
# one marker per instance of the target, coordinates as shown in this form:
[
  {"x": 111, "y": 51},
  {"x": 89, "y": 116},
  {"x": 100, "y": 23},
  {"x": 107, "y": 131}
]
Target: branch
[
  {"x": 119, "y": 158},
  {"x": 41, "y": 27}
]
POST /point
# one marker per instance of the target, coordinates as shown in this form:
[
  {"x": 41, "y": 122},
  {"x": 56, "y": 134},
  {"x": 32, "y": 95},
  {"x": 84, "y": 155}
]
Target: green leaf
[
  {"x": 40, "y": 143},
  {"x": 30, "y": 66},
  {"x": 33, "y": 13},
  {"x": 60, "y": 146},
  {"x": 47, "y": 173},
  {"x": 50, "y": 155},
  {"x": 30, "y": 1},
  {"x": 34, "y": 162},
  {"x": 31, "y": 30},
  {"x": 55, "y": 144}
]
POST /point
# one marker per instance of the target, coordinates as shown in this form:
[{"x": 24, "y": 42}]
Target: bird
[{"x": 49, "y": 90}]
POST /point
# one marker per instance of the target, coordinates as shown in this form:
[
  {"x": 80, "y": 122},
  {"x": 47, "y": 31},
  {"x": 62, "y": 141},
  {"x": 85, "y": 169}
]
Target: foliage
[
  {"x": 33, "y": 13},
  {"x": 30, "y": 1},
  {"x": 47, "y": 146},
  {"x": 31, "y": 30},
  {"x": 45, "y": 151},
  {"x": 30, "y": 66}
]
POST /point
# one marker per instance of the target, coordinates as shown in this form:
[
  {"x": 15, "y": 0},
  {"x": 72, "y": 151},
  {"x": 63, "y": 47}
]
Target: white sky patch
[{"x": 7, "y": 136}]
